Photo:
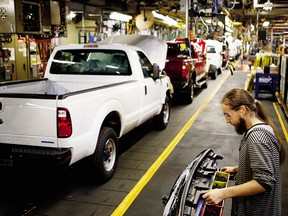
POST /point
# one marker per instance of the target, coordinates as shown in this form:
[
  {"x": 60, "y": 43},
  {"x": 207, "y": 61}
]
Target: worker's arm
[
  {"x": 229, "y": 169},
  {"x": 215, "y": 196}
]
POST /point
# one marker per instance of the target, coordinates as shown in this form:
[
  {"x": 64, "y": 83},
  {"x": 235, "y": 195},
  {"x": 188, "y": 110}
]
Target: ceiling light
[
  {"x": 94, "y": 15},
  {"x": 157, "y": 15},
  {"x": 120, "y": 16},
  {"x": 268, "y": 5},
  {"x": 266, "y": 23},
  {"x": 71, "y": 15},
  {"x": 166, "y": 19}
]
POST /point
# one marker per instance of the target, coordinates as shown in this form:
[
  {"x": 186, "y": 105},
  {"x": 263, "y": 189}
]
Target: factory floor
[{"x": 149, "y": 164}]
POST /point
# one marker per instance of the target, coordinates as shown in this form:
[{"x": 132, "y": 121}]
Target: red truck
[{"x": 186, "y": 69}]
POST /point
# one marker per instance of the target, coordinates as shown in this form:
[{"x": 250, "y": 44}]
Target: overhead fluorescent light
[
  {"x": 157, "y": 15},
  {"x": 268, "y": 5},
  {"x": 120, "y": 16},
  {"x": 170, "y": 21},
  {"x": 166, "y": 19},
  {"x": 266, "y": 23},
  {"x": 71, "y": 15},
  {"x": 94, "y": 15}
]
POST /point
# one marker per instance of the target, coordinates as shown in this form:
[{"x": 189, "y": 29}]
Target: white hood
[{"x": 155, "y": 49}]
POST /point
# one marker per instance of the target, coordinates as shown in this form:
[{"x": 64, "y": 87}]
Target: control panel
[
  {"x": 7, "y": 14},
  {"x": 19, "y": 16}
]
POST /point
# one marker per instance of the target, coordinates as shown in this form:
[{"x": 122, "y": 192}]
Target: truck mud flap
[{"x": 200, "y": 175}]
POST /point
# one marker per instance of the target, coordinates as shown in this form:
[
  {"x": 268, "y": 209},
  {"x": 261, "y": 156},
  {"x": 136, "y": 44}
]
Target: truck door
[{"x": 152, "y": 88}]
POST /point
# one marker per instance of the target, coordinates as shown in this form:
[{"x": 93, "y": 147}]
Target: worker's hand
[
  {"x": 213, "y": 197},
  {"x": 229, "y": 169}
]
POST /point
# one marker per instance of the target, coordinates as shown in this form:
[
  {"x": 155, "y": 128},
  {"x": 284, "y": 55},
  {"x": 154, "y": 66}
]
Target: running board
[{"x": 200, "y": 84}]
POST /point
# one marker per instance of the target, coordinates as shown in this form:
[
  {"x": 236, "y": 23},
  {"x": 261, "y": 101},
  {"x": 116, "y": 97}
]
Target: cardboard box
[{"x": 274, "y": 69}]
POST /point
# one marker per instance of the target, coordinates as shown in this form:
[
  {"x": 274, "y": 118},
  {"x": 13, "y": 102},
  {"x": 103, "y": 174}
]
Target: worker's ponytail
[{"x": 263, "y": 115}]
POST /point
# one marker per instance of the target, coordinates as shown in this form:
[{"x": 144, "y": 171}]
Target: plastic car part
[{"x": 197, "y": 177}]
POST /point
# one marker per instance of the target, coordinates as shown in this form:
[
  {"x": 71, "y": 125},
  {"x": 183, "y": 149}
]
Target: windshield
[
  {"x": 211, "y": 49},
  {"x": 91, "y": 62},
  {"x": 178, "y": 50}
]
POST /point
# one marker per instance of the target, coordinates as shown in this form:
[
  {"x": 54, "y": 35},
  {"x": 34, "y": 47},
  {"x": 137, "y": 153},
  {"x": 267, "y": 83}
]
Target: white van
[
  {"x": 214, "y": 57},
  {"x": 234, "y": 49}
]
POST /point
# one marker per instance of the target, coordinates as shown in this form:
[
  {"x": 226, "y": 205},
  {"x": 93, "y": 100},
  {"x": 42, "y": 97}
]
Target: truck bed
[{"x": 47, "y": 87}]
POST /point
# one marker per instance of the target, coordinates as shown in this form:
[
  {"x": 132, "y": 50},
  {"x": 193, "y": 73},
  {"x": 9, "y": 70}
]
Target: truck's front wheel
[
  {"x": 161, "y": 121},
  {"x": 105, "y": 157}
]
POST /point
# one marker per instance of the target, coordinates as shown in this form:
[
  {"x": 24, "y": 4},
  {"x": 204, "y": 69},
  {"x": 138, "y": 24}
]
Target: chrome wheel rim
[{"x": 109, "y": 155}]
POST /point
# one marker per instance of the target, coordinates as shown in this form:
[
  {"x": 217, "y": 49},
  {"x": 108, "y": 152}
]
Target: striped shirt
[{"x": 259, "y": 159}]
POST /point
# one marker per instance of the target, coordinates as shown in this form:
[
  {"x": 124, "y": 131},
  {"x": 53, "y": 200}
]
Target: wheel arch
[
  {"x": 113, "y": 120},
  {"x": 111, "y": 115}
]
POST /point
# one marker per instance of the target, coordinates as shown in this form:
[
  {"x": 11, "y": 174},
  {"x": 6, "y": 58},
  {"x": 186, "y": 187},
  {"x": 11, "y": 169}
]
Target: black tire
[
  {"x": 189, "y": 95},
  {"x": 105, "y": 158},
  {"x": 219, "y": 71},
  {"x": 214, "y": 72},
  {"x": 162, "y": 119}
]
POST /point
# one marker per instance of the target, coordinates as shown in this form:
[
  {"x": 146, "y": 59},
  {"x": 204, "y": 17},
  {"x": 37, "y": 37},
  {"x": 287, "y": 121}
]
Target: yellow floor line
[
  {"x": 281, "y": 121},
  {"x": 131, "y": 196}
]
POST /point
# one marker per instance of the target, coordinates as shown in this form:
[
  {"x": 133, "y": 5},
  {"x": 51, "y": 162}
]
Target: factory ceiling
[{"x": 245, "y": 11}]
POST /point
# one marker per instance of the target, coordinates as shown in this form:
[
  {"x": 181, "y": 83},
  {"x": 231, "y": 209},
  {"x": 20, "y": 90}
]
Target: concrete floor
[
  {"x": 208, "y": 131},
  {"x": 50, "y": 192}
]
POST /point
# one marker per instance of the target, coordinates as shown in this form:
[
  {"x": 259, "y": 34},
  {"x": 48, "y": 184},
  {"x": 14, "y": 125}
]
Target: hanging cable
[
  {"x": 216, "y": 25},
  {"x": 234, "y": 3},
  {"x": 204, "y": 23},
  {"x": 216, "y": 7}
]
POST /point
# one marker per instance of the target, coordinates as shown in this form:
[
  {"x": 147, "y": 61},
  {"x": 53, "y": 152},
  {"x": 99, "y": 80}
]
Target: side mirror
[{"x": 156, "y": 71}]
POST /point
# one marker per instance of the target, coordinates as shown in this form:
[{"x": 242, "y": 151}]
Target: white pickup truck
[{"x": 91, "y": 95}]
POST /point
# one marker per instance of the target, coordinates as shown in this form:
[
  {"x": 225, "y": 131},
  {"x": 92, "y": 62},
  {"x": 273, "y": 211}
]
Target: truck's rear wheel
[
  {"x": 162, "y": 119},
  {"x": 105, "y": 157},
  {"x": 189, "y": 95},
  {"x": 213, "y": 72}
]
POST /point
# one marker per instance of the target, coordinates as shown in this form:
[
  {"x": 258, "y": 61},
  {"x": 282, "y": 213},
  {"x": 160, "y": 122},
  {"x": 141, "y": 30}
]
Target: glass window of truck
[{"x": 91, "y": 62}]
